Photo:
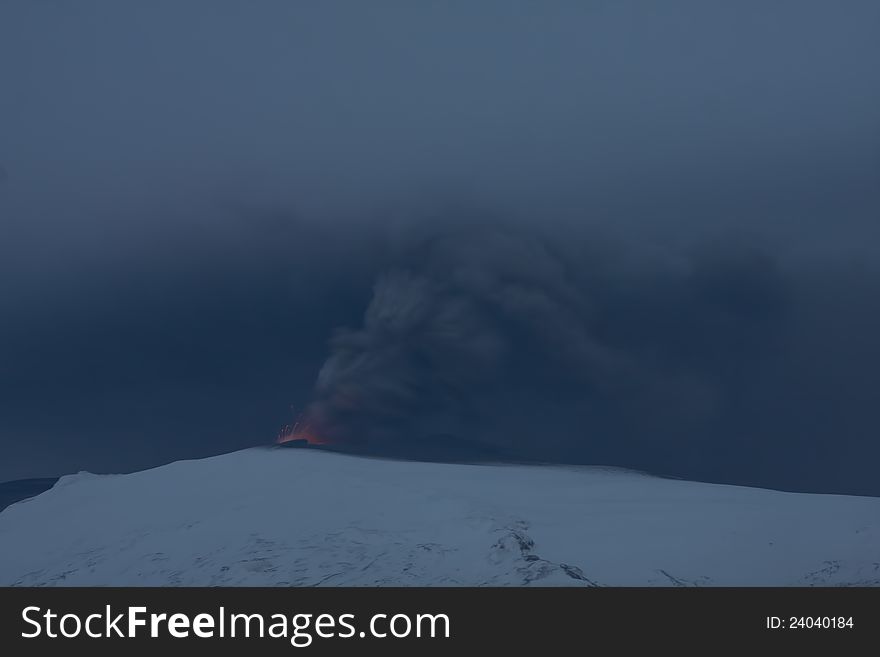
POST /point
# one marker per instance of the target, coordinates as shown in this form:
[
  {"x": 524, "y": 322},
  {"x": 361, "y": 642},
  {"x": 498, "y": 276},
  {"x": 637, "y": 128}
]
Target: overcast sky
[{"x": 196, "y": 197}]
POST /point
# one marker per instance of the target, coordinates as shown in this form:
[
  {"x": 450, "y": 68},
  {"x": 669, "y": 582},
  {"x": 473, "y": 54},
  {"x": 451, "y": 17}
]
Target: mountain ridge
[{"x": 299, "y": 517}]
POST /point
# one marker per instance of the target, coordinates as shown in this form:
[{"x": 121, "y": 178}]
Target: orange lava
[{"x": 298, "y": 431}]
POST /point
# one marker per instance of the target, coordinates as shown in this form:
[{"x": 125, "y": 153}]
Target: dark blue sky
[{"x": 603, "y": 232}]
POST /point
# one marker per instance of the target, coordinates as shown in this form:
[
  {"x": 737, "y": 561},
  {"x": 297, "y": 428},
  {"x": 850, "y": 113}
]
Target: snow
[{"x": 264, "y": 517}]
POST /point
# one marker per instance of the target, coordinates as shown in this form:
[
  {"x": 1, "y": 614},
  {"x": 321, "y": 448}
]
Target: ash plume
[{"x": 510, "y": 343}]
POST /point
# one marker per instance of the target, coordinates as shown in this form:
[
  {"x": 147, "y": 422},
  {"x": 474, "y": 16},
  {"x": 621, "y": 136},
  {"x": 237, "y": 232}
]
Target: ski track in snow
[{"x": 265, "y": 517}]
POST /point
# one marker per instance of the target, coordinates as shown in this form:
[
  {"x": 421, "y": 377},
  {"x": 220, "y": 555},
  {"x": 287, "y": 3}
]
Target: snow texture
[{"x": 275, "y": 517}]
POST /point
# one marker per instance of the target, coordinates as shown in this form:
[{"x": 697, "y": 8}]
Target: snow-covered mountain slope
[{"x": 303, "y": 517}]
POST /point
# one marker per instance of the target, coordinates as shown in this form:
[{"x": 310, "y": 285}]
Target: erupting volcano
[{"x": 300, "y": 433}]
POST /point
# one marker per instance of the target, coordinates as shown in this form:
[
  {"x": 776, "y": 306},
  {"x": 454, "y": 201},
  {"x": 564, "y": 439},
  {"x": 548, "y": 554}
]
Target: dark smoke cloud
[
  {"x": 461, "y": 333},
  {"x": 512, "y": 344}
]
